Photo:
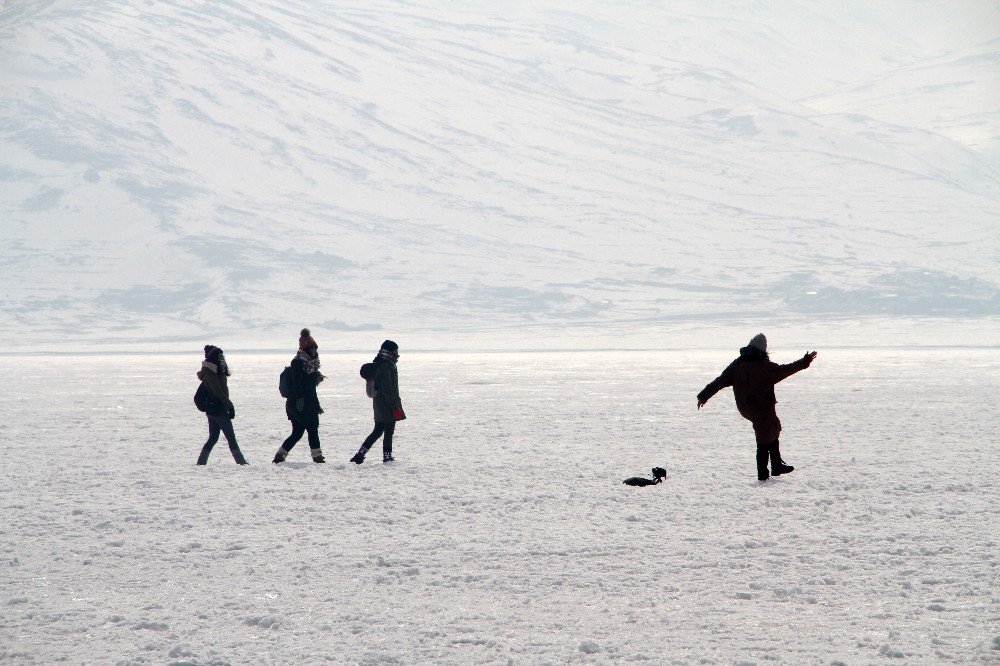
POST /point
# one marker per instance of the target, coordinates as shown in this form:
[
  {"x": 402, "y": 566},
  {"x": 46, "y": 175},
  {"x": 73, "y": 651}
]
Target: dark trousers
[
  {"x": 381, "y": 428},
  {"x": 298, "y": 429},
  {"x": 220, "y": 423},
  {"x": 767, "y": 452}
]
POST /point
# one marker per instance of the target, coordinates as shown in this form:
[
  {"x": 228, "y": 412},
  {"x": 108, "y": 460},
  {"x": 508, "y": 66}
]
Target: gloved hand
[
  {"x": 300, "y": 404},
  {"x": 231, "y": 413},
  {"x": 397, "y": 414}
]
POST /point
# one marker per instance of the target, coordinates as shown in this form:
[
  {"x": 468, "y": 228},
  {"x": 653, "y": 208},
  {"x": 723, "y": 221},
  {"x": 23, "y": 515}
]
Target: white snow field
[
  {"x": 173, "y": 170},
  {"x": 635, "y": 187},
  {"x": 503, "y": 533}
]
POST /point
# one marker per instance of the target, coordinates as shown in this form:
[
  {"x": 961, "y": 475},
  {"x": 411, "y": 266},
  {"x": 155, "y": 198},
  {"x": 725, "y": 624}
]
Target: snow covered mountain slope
[
  {"x": 955, "y": 95},
  {"x": 176, "y": 170}
]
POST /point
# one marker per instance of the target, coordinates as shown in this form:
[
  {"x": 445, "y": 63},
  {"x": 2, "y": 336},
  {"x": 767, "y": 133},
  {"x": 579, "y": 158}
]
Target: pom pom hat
[{"x": 306, "y": 340}]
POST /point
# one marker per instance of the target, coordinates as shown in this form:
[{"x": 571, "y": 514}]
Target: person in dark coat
[
  {"x": 214, "y": 375},
  {"x": 302, "y": 404},
  {"x": 388, "y": 408},
  {"x": 753, "y": 377}
]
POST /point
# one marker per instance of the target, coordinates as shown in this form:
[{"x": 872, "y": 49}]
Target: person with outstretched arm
[{"x": 753, "y": 376}]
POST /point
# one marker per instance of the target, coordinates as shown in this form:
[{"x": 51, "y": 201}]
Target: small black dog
[{"x": 658, "y": 475}]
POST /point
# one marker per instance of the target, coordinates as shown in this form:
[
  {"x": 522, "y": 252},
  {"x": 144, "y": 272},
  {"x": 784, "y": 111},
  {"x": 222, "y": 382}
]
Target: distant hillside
[{"x": 176, "y": 170}]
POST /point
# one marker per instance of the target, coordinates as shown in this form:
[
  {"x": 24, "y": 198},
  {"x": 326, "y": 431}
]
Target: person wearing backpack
[
  {"x": 383, "y": 388},
  {"x": 753, "y": 376},
  {"x": 301, "y": 402},
  {"x": 213, "y": 398}
]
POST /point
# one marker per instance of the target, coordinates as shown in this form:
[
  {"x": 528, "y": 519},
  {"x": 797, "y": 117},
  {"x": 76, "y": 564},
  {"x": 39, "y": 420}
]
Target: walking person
[
  {"x": 219, "y": 409},
  {"x": 302, "y": 404},
  {"x": 753, "y": 376},
  {"x": 384, "y": 392}
]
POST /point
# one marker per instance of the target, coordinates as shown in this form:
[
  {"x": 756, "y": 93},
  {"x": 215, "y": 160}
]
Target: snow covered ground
[{"x": 503, "y": 533}]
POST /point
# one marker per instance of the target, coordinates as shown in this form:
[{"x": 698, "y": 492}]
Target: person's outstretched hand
[
  {"x": 809, "y": 357},
  {"x": 701, "y": 403}
]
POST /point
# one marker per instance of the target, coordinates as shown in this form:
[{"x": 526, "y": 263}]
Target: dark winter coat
[
  {"x": 753, "y": 377},
  {"x": 303, "y": 386},
  {"x": 386, "y": 390},
  {"x": 217, "y": 384}
]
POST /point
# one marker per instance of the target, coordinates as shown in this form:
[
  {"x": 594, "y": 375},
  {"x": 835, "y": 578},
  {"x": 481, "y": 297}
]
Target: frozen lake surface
[{"x": 503, "y": 533}]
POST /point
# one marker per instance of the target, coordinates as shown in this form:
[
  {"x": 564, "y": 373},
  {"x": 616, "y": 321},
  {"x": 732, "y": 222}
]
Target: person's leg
[
  {"x": 390, "y": 428},
  {"x": 359, "y": 457},
  {"x": 226, "y": 424},
  {"x": 213, "y": 437},
  {"x": 778, "y": 466},
  {"x": 290, "y": 441},
  {"x": 317, "y": 453},
  {"x": 763, "y": 452}
]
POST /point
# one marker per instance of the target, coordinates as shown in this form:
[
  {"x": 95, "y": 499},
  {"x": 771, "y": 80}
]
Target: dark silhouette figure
[
  {"x": 753, "y": 377},
  {"x": 302, "y": 404},
  {"x": 383, "y": 387},
  {"x": 219, "y": 409}
]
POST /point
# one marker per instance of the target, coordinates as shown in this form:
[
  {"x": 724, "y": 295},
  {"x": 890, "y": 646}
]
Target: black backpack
[
  {"x": 285, "y": 382},
  {"x": 368, "y": 371},
  {"x": 203, "y": 399}
]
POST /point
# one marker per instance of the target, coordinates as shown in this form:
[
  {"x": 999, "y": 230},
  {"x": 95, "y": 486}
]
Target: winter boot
[
  {"x": 778, "y": 465},
  {"x": 280, "y": 456},
  {"x": 387, "y": 458},
  {"x": 359, "y": 457},
  {"x": 317, "y": 455},
  {"x": 762, "y": 455}
]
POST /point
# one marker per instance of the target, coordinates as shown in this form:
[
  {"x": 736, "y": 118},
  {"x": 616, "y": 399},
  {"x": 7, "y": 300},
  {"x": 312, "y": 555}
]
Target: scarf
[
  {"x": 221, "y": 369},
  {"x": 310, "y": 364}
]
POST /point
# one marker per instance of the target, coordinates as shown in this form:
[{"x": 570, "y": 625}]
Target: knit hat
[
  {"x": 389, "y": 345},
  {"x": 759, "y": 342},
  {"x": 212, "y": 353},
  {"x": 306, "y": 340}
]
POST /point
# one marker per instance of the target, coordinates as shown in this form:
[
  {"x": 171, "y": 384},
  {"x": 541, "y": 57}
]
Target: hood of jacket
[{"x": 749, "y": 353}]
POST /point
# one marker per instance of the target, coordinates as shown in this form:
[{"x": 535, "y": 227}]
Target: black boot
[
  {"x": 359, "y": 457},
  {"x": 203, "y": 456},
  {"x": 762, "y": 455},
  {"x": 778, "y": 465}
]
